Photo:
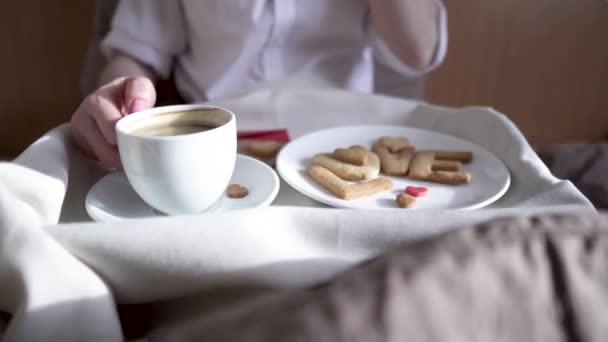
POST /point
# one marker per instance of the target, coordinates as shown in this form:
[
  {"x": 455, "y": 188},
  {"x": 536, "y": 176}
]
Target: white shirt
[{"x": 219, "y": 47}]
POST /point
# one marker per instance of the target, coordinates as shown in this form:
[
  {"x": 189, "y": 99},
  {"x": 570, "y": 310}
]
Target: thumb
[{"x": 139, "y": 94}]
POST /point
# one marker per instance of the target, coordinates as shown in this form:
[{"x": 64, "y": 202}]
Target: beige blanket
[{"x": 537, "y": 279}]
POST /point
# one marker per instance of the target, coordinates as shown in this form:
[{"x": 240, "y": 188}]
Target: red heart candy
[{"x": 416, "y": 191}]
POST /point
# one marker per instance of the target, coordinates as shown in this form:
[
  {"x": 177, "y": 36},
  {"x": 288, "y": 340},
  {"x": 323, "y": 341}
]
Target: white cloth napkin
[{"x": 60, "y": 280}]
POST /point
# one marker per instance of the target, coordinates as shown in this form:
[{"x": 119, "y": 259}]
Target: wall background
[
  {"x": 544, "y": 63},
  {"x": 43, "y": 45}
]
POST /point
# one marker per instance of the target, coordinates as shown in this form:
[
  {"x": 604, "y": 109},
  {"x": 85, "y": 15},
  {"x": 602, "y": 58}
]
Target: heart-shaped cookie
[
  {"x": 416, "y": 191},
  {"x": 356, "y": 155},
  {"x": 349, "y": 171},
  {"x": 394, "y": 144}
]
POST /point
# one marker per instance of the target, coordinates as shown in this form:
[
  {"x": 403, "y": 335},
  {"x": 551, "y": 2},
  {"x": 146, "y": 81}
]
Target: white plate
[
  {"x": 490, "y": 177},
  {"x": 113, "y": 199}
]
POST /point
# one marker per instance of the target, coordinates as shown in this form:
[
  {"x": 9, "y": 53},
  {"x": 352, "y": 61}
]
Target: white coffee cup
[{"x": 172, "y": 162}]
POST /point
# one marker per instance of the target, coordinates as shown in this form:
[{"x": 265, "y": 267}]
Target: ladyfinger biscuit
[
  {"x": 348, "y": 171},
  {"x": 265, "y": 151},
  {"x": 422, "y": 169},
  {"x": 344, "y": 190},
  {"x": 394, "y": 144},
  {"x": 394, "y": 165},
  {"x": 263, "y": 148},
  {"x": 356, "y": 155}
]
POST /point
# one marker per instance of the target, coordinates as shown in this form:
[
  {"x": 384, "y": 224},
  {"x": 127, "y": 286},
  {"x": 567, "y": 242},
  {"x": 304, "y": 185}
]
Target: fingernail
[{"x": 137, "y": 105}]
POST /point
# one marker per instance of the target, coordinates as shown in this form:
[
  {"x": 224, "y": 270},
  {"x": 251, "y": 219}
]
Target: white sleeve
[
  {"x": 151, "y": 31},
  {"x": 385, "y": 55}
]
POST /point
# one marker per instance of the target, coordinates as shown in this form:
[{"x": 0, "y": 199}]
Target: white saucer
[
  {"x": 113, "y": 199},
  {"x": 490, "y": 176}
]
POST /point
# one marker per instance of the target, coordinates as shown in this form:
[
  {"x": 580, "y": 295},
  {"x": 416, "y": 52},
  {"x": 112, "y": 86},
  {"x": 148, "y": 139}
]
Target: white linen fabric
[
  {"x": 214, "y": 48},
  {"x": 61, "y": 275}
]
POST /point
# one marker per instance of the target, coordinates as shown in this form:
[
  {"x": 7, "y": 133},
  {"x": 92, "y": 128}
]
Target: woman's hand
[{"x": 93, "y": 122}]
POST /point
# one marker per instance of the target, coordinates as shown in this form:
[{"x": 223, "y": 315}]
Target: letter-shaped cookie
[
  {"x": 394, "y": 165},
  {"x": 422, "y": 169},
  {"x": 348, "y": 171},
  {"x": 461, "y": 156},
  {"x": 394, "y": 144},
  {"x": 344, "y": 190}
]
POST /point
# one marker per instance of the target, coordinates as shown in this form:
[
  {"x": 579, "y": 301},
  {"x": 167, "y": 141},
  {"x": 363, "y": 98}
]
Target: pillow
[{"x": 584, "y": 164}]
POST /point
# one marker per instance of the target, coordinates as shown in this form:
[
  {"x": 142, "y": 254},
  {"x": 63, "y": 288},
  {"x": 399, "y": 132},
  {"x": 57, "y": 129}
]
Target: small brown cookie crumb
[
  {"x": 405, "y": 201},
  {"x": 236, "y": 191}
]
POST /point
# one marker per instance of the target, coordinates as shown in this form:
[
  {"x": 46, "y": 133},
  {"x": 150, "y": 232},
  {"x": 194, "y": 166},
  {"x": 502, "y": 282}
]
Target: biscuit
[
  {"x": 394, "y": 165},
  {"x": 262, "y": 148},
  {"x": 394, "y": 144},
  {"x": 405, "y": 201},
  {"x": 348, "y": 171},
  {"x": 356, "y": 155},
  {"x": 421, "y": 168},
  {"x": 344, "y": 190}
]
